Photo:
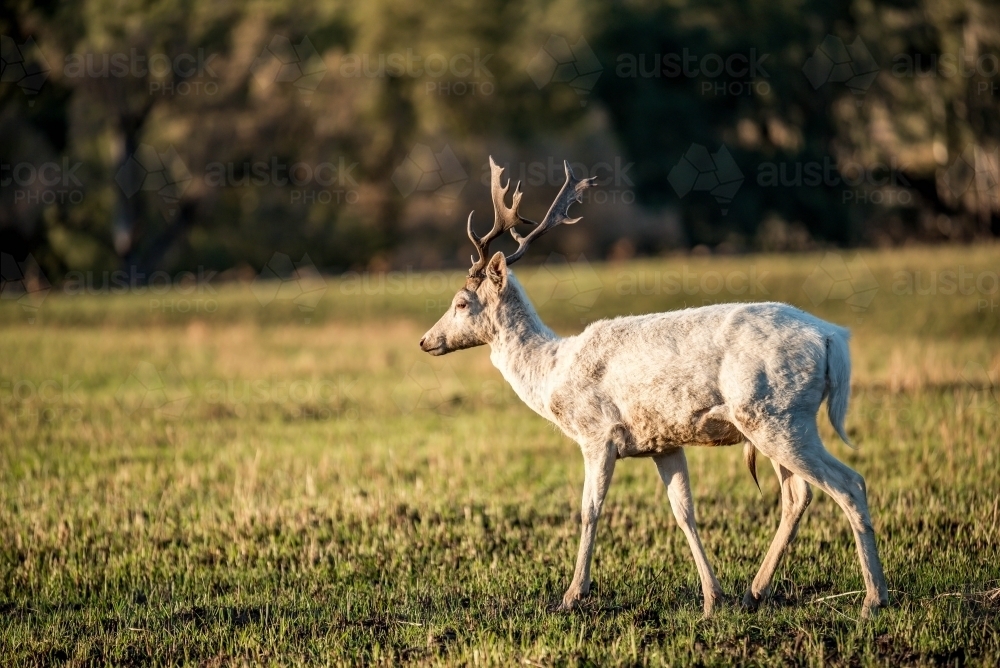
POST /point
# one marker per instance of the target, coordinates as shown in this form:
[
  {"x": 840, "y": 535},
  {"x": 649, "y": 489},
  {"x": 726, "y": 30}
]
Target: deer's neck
[{"x": 524, "y": 349}]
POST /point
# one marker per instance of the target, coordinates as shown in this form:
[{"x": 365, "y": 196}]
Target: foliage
[{"x": 374, "y": 81}]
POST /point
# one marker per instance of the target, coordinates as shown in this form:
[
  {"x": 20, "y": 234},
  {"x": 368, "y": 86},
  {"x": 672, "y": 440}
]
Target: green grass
[{"x": 292, "y": 494}]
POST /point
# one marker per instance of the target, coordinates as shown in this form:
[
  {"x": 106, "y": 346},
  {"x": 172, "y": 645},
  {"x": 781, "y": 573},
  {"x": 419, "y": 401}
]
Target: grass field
[{"x": 208, "y": 477}]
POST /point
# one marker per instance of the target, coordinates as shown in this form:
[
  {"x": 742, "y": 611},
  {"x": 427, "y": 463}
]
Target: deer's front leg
[
  {"x": 599, "y": 465},
  {"x": 674, "y": 472}
]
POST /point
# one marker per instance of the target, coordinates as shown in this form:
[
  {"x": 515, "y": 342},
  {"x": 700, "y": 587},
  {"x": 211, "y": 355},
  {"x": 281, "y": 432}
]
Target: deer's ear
[{"x": 496, "y": 271}]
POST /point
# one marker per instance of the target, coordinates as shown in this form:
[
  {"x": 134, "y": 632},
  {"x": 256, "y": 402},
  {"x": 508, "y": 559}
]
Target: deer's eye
[{"x": 461, "y": 306}]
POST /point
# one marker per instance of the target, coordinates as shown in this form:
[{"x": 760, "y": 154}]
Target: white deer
[{"x": 648, "y": 385}]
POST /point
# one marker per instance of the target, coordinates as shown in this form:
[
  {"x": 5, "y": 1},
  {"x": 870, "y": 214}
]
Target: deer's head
[{"x": 473, "y": 317}]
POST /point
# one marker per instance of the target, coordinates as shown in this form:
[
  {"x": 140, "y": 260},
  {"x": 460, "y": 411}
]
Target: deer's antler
[
  {"x": 558, "y": 213},
  {"x": 507, "y": 218}
]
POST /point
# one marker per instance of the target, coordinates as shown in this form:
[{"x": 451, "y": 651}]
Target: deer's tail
[{"x": 838, "y": 380}]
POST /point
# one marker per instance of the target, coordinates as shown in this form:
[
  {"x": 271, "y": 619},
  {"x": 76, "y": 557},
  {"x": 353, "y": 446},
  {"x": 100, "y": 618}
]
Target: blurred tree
[
  {"x": 934, "y": 109},
  {"x": 903, "y": 122},
  {"x": 185, "y": 121},
  {"x": 133, "y": 60}
]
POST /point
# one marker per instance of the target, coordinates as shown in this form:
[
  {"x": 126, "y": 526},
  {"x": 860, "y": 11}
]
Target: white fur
[{"x": 646, "y": 386}]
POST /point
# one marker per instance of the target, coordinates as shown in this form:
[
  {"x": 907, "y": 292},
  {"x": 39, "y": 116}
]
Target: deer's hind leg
[
  {"x": 795, "y": 497},
  {"x": 673, "y": 470},
  {"x": 798, "y": 447}
]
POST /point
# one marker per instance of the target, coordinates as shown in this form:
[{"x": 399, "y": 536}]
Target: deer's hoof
[
  {"x": 871, "y": 608},
  {"x": 571, "y": 599},
  {"x": 750, "y": 602},
  {"x": 712, "y": 604},
  {"x": 567, "y": 606}
]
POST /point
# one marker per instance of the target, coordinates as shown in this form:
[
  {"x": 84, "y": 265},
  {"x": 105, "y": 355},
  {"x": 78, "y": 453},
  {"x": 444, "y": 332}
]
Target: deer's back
[{"x": 691, "y": 377}]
